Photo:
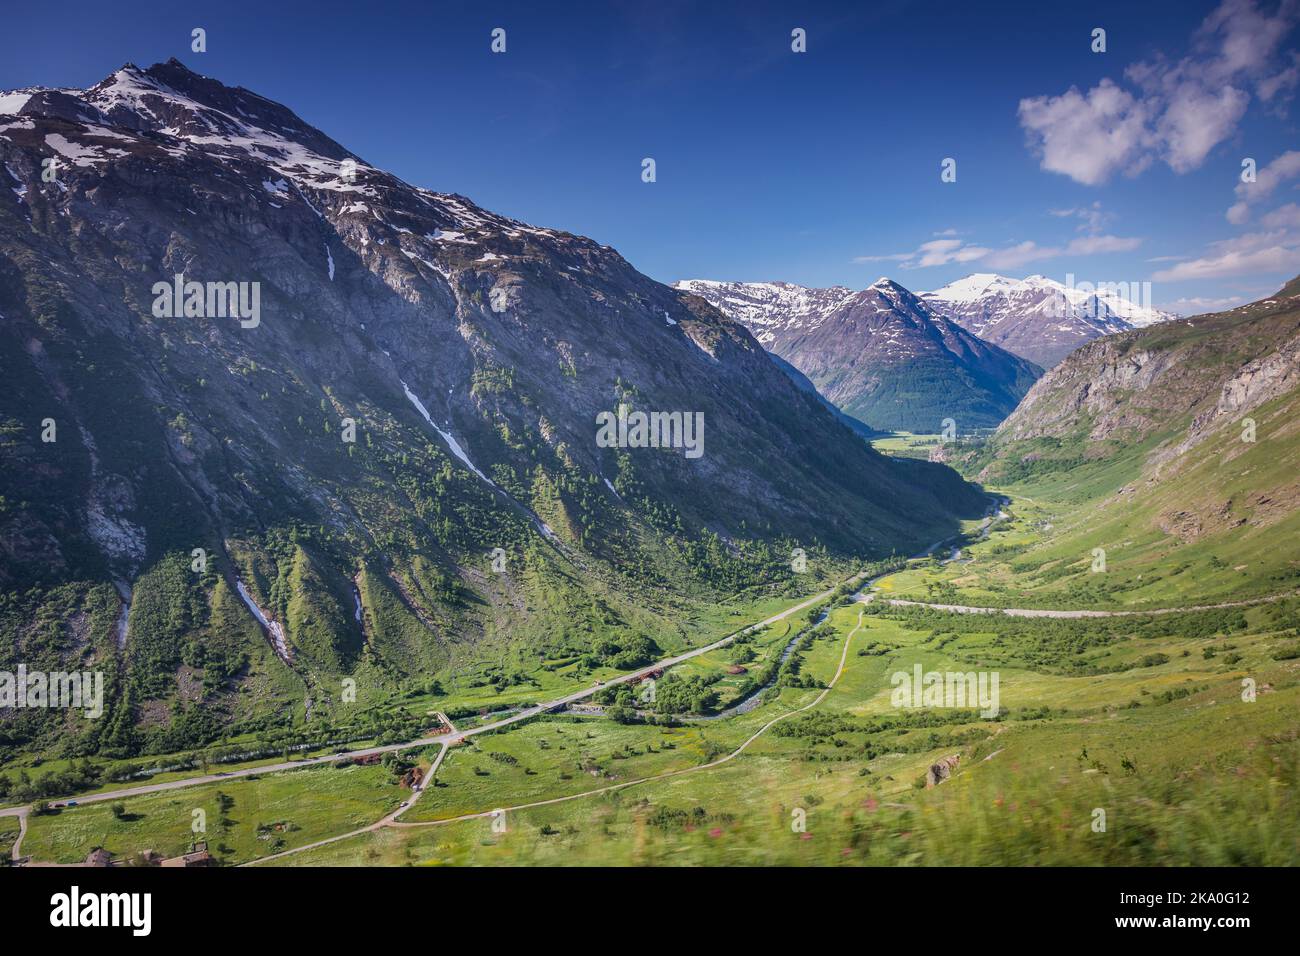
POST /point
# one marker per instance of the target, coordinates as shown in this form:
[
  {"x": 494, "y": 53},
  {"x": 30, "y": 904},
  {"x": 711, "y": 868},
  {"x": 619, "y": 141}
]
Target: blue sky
[{"x": 820, "y": 168}]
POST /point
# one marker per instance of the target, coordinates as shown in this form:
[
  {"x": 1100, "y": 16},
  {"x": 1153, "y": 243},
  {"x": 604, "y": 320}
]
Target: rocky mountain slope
[
  {"x": 1037, "y": 318},
  {"x": 880, "y": 354},
  {"x": 388, "y": 469},
  {"x": 1176, "y": 448},
  {"x": 775, "y": 312},
  {"x": 805, "y": 384}
]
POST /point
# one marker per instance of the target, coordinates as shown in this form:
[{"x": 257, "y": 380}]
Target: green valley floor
[{"x": 1132, "y": 739}]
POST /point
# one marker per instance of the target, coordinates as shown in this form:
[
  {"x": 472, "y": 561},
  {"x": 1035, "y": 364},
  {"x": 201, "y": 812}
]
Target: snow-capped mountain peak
[
  {"x": 1038, "y": 317},
  {"x": 769, "y": 309},
  {"x": 978, "y": 285}
]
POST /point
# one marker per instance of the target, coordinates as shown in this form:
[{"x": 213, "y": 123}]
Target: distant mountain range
[
  {"x": 1036, "y": 317},
  {"x": 882, "y": 355}
]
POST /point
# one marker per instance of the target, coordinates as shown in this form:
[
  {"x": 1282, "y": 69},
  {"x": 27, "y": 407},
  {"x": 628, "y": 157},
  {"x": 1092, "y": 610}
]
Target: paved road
[
  {"x": 229, "y": 775},
  {"x": 377, "y": 825},
  {"x": 864, "y": 596},
  {"x": 844, "y": 656},
  {"x": 1041, "y": 612}
]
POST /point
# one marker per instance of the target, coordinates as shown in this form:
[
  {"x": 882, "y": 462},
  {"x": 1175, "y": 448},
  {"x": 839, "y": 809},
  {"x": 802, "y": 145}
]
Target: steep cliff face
[
  {"x": 1258, "y": 381},
  {"x": 1095, "y": 388},
  {"x": 305, "y": 465},
  {"x": 1191, "y": 372}
]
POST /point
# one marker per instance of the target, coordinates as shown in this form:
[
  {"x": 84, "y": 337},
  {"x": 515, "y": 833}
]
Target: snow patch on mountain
[
  {"x": 79, "y": 154},
  {"x": 769, "y": 308},
  {"x": 1037, "y": 317},
  {"x": 446, "y": 436},
  {"x": 271, "y": 627},
  {"x": 21, "y": 189},
  {"x": 11, "y": 103},
  {"x": 1048, "y": 297}
]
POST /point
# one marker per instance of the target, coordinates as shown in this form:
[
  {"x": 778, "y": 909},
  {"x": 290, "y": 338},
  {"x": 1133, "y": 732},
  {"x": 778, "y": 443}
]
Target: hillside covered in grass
[{"x": 1175, "y": 450}]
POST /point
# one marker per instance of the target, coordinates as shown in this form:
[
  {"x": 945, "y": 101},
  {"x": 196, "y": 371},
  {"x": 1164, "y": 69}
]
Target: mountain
[
  {"x": 1036, "y": 317},
  {"x": 880, "y": 354},
  {"x": 774, "y": 312},
  {"x": 768, "y": 309},
  {"x": 805, "y": 384},
  {"x": 272, "y": 416},
  {"x": 1175, "y": 449}
]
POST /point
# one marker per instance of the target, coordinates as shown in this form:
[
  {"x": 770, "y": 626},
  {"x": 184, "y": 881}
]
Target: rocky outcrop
[
  {"x": 941, "y": 771},
  {"x": 1255, "y": 383},
  {"x": 1093, "y": 385}
]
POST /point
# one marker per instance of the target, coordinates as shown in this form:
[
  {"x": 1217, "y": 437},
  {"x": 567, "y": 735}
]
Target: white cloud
[
  {"x": 1094, "y": 245},
  {"x": 1197, "y": 305},
  {"x": 939, "y": 252},
  {"x": 1283, "y": 81},
  {"x": 1267, "y": 179},
  {"x": 1026, "y": 252},
  {"x": 1088, "y": 136},
  {"x": 1180, "y": 111},
  {"x": 1196, "y": 120},
  {"x": 947, "y": 250},
  {"x": 936, "y": 252},
  {"x": 1284, "y": 217},
  {"x": 1243, "y": 37},
  {"x": 1253, "y": 241},
  {"x": 1249, "y": 254},
  {"x": 1092, "y": 218},
  {"x": 1019, "y": 254}
]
